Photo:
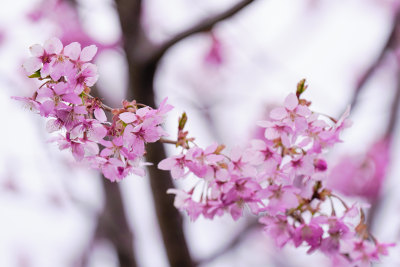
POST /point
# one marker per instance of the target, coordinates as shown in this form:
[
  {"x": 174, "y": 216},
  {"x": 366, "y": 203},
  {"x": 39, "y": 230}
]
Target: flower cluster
[
  {"x": 362, "y": 175},
  {"x": 117, "y": 147},
  {"x": 282, "y": 179}
]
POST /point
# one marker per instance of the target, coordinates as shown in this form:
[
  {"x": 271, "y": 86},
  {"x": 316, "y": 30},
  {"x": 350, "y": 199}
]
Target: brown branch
[
  {"x": 233, "y": 243},
  {"x": 168, "y": 141},
  {"x": 113, "y": 224},
  {"x": 141, "y": 71},
  {"x": 391, "y": 127},
  {"x": 203, "y": 26},
  {"x": 393, "y": 117},
  {"x": 389, "y": 45}
]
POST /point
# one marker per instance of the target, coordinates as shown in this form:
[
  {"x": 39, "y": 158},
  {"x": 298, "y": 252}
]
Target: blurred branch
[
  {"x": 141, "y": 69},
  {"x": 393, "y": 118},
  {"x": 391, "y": 127},
  {"x": 233, "y": 243},
  {"x": 112, "y": 225},
  {"x": 389, "y": 45},
  {"x": 72, "y": 2},
  {"x": 203, "y": 26}
]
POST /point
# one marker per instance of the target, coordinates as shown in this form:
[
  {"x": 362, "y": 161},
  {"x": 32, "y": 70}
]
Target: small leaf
[
  {"x": 301, "y": 87},
  {"x": 35, "y": 75},
  {"x": 219, "y": 149},
  {"x": 182, "y": 121}
]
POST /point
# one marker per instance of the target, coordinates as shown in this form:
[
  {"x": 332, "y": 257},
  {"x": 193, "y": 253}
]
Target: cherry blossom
[{"x": 282, "y": 179}]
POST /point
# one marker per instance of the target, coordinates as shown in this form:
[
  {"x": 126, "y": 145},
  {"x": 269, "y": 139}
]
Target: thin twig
[
  {"x": 393, "y": 118},
  {"x": 391, "y": 127},
  {"x": 390, "y": 43},
  {"x": 168, "y": 141},
  {"x": 233, "y": 243},
  {"x": 203, "y": 26}
]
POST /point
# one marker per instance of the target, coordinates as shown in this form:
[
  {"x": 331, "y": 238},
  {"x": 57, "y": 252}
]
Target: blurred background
[{"x": 226, "y": 63}]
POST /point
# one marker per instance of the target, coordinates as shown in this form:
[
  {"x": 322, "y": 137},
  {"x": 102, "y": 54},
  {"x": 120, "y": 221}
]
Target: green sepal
[
  {"x": 35, "y": 75},
  {"x": 182, "y": 121},
  {"x": 301, "y": 87}
]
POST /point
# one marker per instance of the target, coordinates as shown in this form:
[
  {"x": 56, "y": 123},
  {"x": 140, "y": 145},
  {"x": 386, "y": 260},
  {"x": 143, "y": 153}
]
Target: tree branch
[
  {"x": 233, "y": 243},
  {"x": 141, "y": 69},
  {"x": 393, "y": 117},
  {"x": 203, "y": 26},
  {"x": 390, "y": 42},
  {"x": 113, "y": 224},
  {"x": 389, "y": 134}
]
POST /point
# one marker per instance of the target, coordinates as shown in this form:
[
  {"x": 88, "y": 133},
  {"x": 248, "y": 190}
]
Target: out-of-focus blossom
[{"x": 362, "y": 175}]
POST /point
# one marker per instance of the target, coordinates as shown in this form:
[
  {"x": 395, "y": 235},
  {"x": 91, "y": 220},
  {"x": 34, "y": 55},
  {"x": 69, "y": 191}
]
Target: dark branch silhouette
[
  {"x": 202, "y": 26},
  {"x": 370, "y": 71},
  {"x": 234, "y": 242}
]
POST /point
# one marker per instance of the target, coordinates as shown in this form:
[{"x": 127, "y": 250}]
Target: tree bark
[
  {"x": 141, "y": 81},
  {"x": 113, "y": 224}
]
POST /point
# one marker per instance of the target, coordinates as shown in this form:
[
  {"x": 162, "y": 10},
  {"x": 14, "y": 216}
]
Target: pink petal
[
  {"x": 88, "y": 53},
  {"x": 80, "y": 110},
  {"x": 177, "y": 172},
  {"x": 76, "y": 132},
  {"x": 211, "y": 148},
  {"x": 106, "y": 152},
  {"x": 291, "y": 101},
  {"x": 139, "y": 171},
  {"x": 53, "y": 125},
  {"x": 72, "y": 98},
  {"x": 78, "y": 151},
  {"x": 45, "y": 71},
  {"x": 98, "y": 132},
  {"x": 91, "y": 148},
  {"x": 36, "y": 50},
  {"x": 166, "y": 164},
  {"x": 45, "y": 92},
  {"x": 164, "y": 107},
  {"x": 53, "y": 46},
  {"x": 32, "y": 64},
  {"x": 60, "y": 88},
  {"x": 46, "y": 108},
  {"x": 265, "y": 124},
  {"x": 100, "y": 115},
  {"x": 127, "y": 117},
  {"x": 271, "y": 133},
  {"x": 73, "y": 50},
  {"x": 278, "y": 113},
  {"x": 303, "y": 110}
]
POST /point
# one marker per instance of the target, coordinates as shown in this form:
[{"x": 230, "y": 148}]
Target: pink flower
[
  {"x": 78, "y": 56},
  {"x": 310, "y": 233},
  {"x": 278, "y": 228},
  {"x": 292, "y": 114},
  {"x": 90, "y": 130},
  {"x": 86, "y": 77},
  {"x": 300, "y": 165},
  {"x": 43, "y": 56},
  {"x": 362, "y": 175},
  {"x": 281, "y": 198},
  {"x": 175, "y": 164},
  {"x": 214, "y": 54},
  {"x": 338, "y": 231}
]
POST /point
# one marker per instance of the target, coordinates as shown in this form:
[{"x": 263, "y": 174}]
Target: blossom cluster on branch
[
  {"x": 281, "y": 178},
  {"x": 117, "y": 147}
]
